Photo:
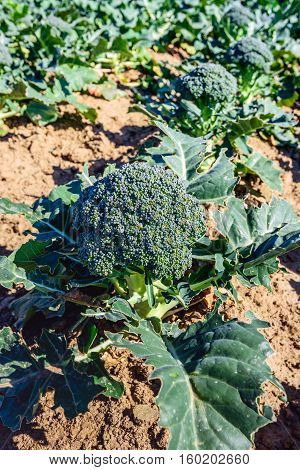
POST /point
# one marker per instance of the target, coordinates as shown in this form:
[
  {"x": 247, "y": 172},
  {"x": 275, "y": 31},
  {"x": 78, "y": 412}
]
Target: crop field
[{"x": 149, "y": 224}]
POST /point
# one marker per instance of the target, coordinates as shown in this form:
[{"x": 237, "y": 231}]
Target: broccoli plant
[
  {"x": 238, "y": 14},
  {"x": 251, "y": 59},
  {"x": 138, "y": 217},
  {"x": 197, "y": 102},
  {"x": 129, "y": 248},
  {"x": 207, "y": 93},
  {"x": 237, "y": 21}
]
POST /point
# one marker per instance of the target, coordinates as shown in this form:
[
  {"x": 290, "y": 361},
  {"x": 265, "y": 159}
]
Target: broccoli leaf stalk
[
  {"x": 252, "y": 83},
  {"x": 138, "y": 296}
]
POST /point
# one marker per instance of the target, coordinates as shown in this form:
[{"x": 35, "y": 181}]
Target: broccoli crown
[
  {"x": 209, "y": 81},
  {"x": 138, "y": 215},
  {"x": 239, "y": 15},
  {"x": 252, "y": 52}
]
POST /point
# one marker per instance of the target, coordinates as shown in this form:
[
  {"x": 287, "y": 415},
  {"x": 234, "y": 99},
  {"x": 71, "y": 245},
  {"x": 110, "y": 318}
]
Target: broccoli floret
[
  {"x": 239, "y": 15},
  {"x": 251, "y": 52},
  {"x": 208, "y": 82},
  {"x": 139, "y": 216}
]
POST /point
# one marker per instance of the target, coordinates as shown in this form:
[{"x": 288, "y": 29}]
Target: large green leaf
[
  {"x": 73, "y": 389},
  {"x": 216, "y": 184},
  {"x": 41, "y": 113},
  {"x": 254, "y": 162},
  {"x": 181, "y": 153},
  {"x": 212, "y": 375},
  {"x": 184, "y": 154},
  {"x": 27, "y": 255},
  {"x": 15, "y": 208},
  {"x": 11, "y": 274},
  {"x": 22, "y": 380},
  {"x": 266, "y": 229},
  {"x": 255, "y": 237},
  {"x": 36, "y": 301},
  {"x": 264, "y": 168},
  {"x": 26, "y": 375},
  {"x": 50, "y": 217},
  {"x": 245, "y": 126},
  {"x": 78, "y": 76}
]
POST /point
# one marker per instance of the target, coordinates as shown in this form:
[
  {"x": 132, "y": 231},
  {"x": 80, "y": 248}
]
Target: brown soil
[
  {"x": 33, "y": 160},
  {"x": 128, "y": 423}
]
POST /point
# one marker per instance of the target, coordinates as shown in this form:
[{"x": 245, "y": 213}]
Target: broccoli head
[
  {"x": 239, "y": 15},
  {"x": 251, "y": 52},
  {"x": 208, "y": 82},
  {"x": 140, "y": 216}
]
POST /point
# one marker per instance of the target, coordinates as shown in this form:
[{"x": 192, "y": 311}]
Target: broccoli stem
[{"x": 137, "y": 296}]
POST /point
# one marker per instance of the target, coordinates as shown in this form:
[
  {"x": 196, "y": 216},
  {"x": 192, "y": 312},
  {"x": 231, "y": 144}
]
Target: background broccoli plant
[
  {"x": 207, "y": 93},
  {"x": 235, "y": 21},
  {"x": 252, "y": 59},
  {"x": 197, "y": 102}
]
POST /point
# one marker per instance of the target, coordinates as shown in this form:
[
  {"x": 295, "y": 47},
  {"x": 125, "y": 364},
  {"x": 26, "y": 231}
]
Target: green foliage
[
  {"x": 253, "y": 239},
  {"x": 129, "y": 247},
  {"x": 26, "y": 375},
  {"x": 189, "y": 159},
  {"x": 50, "y": 267},
  {"x": 250, "y": 52},
  {"x": 217, "y": 383},
  {"x": 239, "y": 15}
]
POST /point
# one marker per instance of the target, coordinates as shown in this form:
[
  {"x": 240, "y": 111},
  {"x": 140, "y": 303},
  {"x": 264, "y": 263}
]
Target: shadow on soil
[
  {"x": 4, "y": 251},
  {"x": 284, "y": 434},
  {"x": 293, "y": 164},
  {"x": 128, "y": 135}
]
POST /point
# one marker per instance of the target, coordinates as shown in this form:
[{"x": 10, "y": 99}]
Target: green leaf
[
  {"x": 257, "y": 236},
  {"x": 73, "y": 389},
  {"x": 217, "y": 369},
  {"x": 93, "y": 365},
  {"x": 264, "y": 168},
  {"x": 122, "y": 310},
  {"x": 84, "y": 177},
  {"x": 22, "y": 380},
  {"x": 78, "y": 76},
  {"x": 15, "y": 208},
  {"x": 245, "y": 126},
  {"x": 216, "y": 184},
  {"x": 182, "y": 153},
  {"x": 259, "y": 275},
  {"x": 87, "y": 337},
  {"x": 88, "y": 112},
  {"x": 41, "y": 113},
  {"x": 11, "y": 274},
  {"x": 36, "y": 301},
  {"x": 28, "y": 253},
  {"x": 256, "y": 163},
  {"x": 234, "y": 224},
  {"x": 26, "y": 375},
  {"x": 68, "y": 193}
]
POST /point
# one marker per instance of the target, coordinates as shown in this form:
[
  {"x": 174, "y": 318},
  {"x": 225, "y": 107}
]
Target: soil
[{"x": 33, "y": 160}]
